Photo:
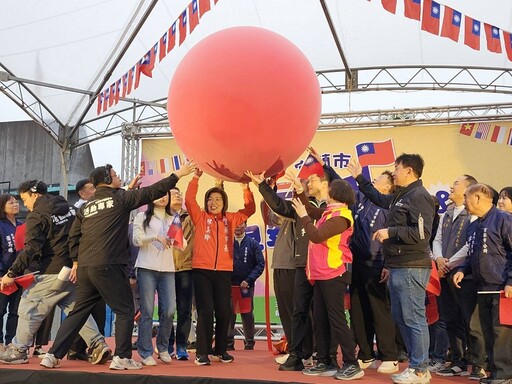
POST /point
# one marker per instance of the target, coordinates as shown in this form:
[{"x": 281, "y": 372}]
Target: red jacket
[{"x": 213, "y": 241}]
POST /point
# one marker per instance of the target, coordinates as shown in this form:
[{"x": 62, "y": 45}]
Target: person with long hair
[
  {"x": 212, "y": 264},
  {"x": 9, "y": 208},
  {"x": 155, "y": 274}
]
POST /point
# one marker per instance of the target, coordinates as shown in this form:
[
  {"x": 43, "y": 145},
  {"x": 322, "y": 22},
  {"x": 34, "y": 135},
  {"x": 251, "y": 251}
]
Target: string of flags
[
  {"x": 488, "y": 132},
  {"x": 430, "y": 17},
  {"x": 167, "y": 164},
  {"x": 175, "y": 34}
]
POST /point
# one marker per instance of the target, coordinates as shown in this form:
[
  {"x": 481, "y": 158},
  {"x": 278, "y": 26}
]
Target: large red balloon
[{"x": 244, "y": 98}]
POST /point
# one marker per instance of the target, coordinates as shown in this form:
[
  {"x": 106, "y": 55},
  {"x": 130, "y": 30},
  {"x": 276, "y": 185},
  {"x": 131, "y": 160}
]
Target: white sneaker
[
  {"x": 49, "y": 361},
  {"x": 165, "y": 357},
  {"x": 363, "y": 364},
  {"x": 120, "y": 364},
  {"x": 281, "y": 359},
  {"x": 388, "y": 367},
  {"x": 412, "y": 376},
  {"x": 148, "y": 361},
  {"x": 434, "y": 367}
]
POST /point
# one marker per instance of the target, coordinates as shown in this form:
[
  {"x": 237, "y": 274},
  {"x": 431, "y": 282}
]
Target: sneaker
[
  {"x": 363, "y": 364},
  {"x": 13, "y": 355},
  {"x": 453, "y": 370},
  {"x": 436, "y": 366},
  {"x": 402, "y": 356},
  {"x": 38, "y": 352},
  {"x": 320, "y": 369},
  {"x": 100, "y": 352},
  {"x": 477, "y": 373},
  {"x": 388, "y": 367},
  {"x": 120, "y": 364},
  {"x": 191, "y": 347},
  {"x": 349, "y": 372},
  {"x": 202, "y": 360},
  {"x": 181, "y": 353},
  {"x": 50, "y": 361},
  {"x": 412, "y": 376},
  {"x": 309, "y": 362},
  {"x": 281, "y": 359},
  {"x": 72, "y": 355},
  {"x": 148, "y": 361},
  {"x": 249, "y": 345},
  {"x": 292, "y": 363},
  {"x": 165, "y": 357},
  {"x": 224, "y": 358}
]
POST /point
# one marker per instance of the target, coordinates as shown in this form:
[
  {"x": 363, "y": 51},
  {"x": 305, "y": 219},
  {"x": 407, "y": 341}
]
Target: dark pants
[
  {"x": 370, "y": 314},
  {"x": 213, "y": 296},
  {"x": 9, "y": 304},
  {"x": 283, "y": 288},
  {"x": 330, "y": 321},
  {"x": 184, "y": 294},
  {"x": 99, "y": 314},
  {"x": 111, "y": 283},
  {"x": 45, "y": 329},
  {"x": 247, "y": 324},
  {"x": 497, "y": 336},
  {"x": 302, "y": 334}
]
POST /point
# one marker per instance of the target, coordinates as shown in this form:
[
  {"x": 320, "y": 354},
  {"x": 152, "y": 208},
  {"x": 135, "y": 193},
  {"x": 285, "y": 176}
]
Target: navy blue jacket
[
  {"x": 248, "y": 261},
  {"x": 490, "y": 251},
  {"x": 7, "y": 249}
]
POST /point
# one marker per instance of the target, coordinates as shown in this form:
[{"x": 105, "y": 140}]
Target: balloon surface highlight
[{"x": 244, "y": 98}]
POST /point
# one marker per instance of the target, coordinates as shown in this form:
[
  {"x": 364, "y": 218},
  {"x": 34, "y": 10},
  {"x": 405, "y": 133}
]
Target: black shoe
[
  {"x": 191, "y": 347},
  {"x": 321, "y": 369},
  {"x": 134, "y": 346},
  {"x": 202, "y": 360},
  {"x": 293, "y": 363},
  {"x": 224, "y": 358},
  {"x": 249, "y": 345},
  {"x": 72, "y": 355}
]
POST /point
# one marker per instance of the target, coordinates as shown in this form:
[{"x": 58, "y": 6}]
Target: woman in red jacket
[{"x": 212, "y": 264}]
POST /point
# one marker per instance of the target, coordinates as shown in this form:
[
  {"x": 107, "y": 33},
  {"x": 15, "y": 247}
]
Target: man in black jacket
[
  {"x": 406, "y": 248},
  {"x": 46, "y": 250},
  {"x": 99, "y": 248}
]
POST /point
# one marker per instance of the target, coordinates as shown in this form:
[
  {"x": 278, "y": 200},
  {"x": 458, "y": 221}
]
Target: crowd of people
[{"x": 377, "y": 245}]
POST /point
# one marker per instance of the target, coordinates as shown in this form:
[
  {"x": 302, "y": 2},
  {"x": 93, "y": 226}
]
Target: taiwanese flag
[
  {"x": 451, "y": 24},
  {"x": 19, "y": 237},
  {"x": 147, "y": 64},
  {"x": 412, "y": 9},
  {"x": 431, "y": 17},
  {"x": 505, "y": 308},
  {"x": 467, "y": 129},
  {"x": 112, "y": 94},
  {"x": 193, "y": 15},
  {"x": 472, "y": 33},
  {"x": 492, "y": 34},
  {"x": 389, "y": 5},
  {"x": 106, "y": 97},
  {"x": 100, "y": 102},
  {"x": 376, "y": 153},
  {"x": 162, "y": 47},
  {"x": 171, "y": 37},
  {"x": 204, "y": 6},
  {"x": 25, "y": 281},
  {"x": 118, "y": 90},
  {"x": 507, "y": 37},
  {"x": 434, "y": 285},
  {"x": 131, "y": 75},
  {"x": 310, "y": 167},
  {"x": 175, "y": 232},
  {"x": 183, "y": 26}
]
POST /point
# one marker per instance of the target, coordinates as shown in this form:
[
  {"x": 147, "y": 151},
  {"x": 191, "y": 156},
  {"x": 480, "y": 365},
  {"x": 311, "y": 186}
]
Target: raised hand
[
  {"x": 316, "y": 155},
  {"x": 256, "y": 179},
  {"x": 354, "y": 167},
  {"x": 186, "y": 169}
]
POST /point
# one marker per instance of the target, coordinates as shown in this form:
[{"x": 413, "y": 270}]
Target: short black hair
[
  {"x": 33, "y": 186},
  {"x": 81, "y": 184},
  {"x": 507, "y": 192},
  {"x": 98, "y": 175},
  {"x": 341, "y": 190},
  {"x": 413, "y": 161}
]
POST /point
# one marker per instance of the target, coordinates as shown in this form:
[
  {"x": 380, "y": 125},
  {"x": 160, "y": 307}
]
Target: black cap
[{"x": 81, "y": 184}]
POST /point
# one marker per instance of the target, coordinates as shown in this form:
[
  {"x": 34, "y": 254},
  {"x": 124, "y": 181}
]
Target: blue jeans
[
  {"x": 407, "y": 291},
  {"x": 184, "y": 293},
  {"x": 151, "y": 282}
]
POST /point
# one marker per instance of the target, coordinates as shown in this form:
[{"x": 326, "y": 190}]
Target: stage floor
[{"x": 257, "y": 366}]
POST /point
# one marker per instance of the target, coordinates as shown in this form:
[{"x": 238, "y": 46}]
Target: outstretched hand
[
  {"x": 354, "y": 167},
  {"x": 291, "y": 176},
  {"x": 256, "y": 179},
  {"x": 316, "y": 155},
  {"x": 299, "y": 207},
  {"x": 186, "y": 169}
]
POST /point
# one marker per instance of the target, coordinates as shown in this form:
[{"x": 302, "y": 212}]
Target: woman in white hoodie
[{"x": 155, "y": 274}]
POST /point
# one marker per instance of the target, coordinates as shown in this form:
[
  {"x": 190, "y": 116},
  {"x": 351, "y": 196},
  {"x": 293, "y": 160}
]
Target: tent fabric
[{"x": 75, "y": 43}]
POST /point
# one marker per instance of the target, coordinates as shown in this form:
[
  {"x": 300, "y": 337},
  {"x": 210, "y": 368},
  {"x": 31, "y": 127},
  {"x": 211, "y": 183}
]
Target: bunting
[
  {"x": 123, "y": 86},
  {"x": 487, "y": 132}
]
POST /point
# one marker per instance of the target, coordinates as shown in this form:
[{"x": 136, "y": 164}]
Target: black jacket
[
  {"x": 99, "y": 235},
  {"x": 408, "y": 245},
  {"x": 46, "y": 239}
]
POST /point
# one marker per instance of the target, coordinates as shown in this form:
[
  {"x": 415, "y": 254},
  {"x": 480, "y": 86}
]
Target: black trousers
[
  {"x": 247, "y": 324},
  {"x": 212, "y": 290},
  {"x": 111, "y": 283},
  {"x": 284, "y": 288},
  {"x": 302, "y": 333},
  {"x": 330, "y": 324},
  {"x": 497, "y": 336},
  {"x": 370, "y": 314},
  {"x": 99, "y": 314}
]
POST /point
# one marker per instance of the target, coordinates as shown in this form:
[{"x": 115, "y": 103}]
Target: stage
[{"x": 255, "y": 366}]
